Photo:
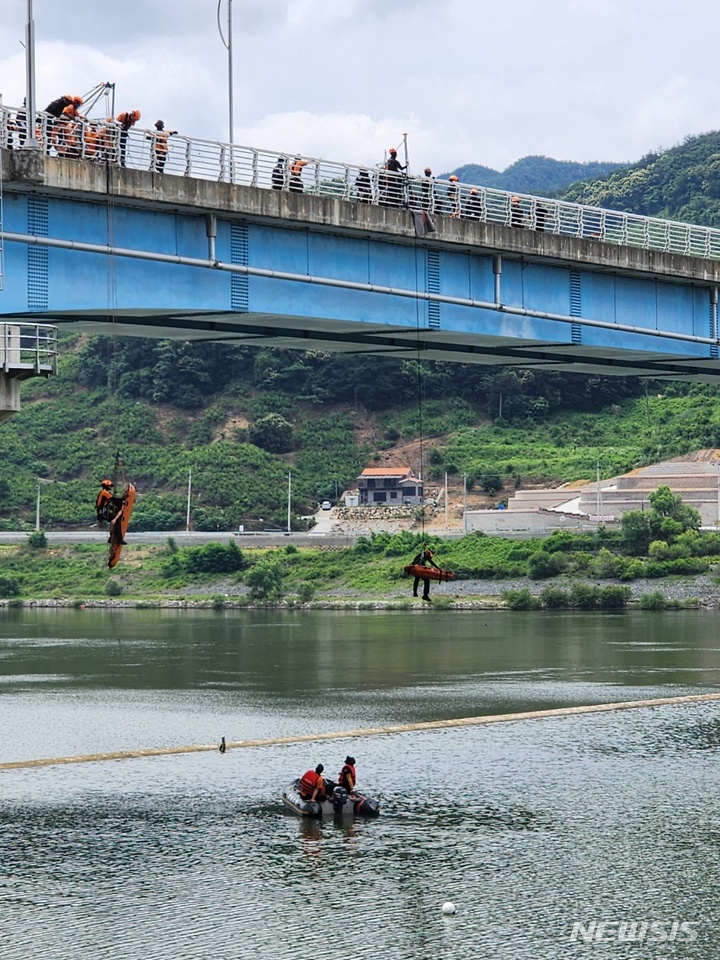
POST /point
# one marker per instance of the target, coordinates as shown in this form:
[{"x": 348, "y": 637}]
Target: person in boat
[
  {"x": 347, "y": 777},
  {"x": 312, "y": 785},
  {"x": 424, "y": 559}
]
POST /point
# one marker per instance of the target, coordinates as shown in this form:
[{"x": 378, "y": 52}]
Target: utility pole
[
  {"x": 187, "y": 517},
  {"x": 31, "y": 142},
  {"x": 447, "y": 526},
  {"x": 464, "y": 503},
  {"x": 289, "y": 495},
  {"x": 228, "y": 45},
  {"x": 597, "y": 494}
]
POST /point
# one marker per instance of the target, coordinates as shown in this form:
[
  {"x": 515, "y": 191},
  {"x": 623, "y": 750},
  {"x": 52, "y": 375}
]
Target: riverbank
[{"x": 700, "y": 591}]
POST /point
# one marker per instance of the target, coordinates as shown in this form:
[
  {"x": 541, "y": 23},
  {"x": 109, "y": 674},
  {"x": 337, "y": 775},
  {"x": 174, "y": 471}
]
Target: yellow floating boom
[{"x": 366, "y": 731}]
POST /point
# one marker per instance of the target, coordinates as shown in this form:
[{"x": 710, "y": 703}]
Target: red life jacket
[
  {"x": 308, "y": 782},
  {"x": 343, "y": 777}
]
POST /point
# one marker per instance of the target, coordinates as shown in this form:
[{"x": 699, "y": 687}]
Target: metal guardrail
[
  {"x": 28, "y": 349},
  {"x": 103, "y": 141}
]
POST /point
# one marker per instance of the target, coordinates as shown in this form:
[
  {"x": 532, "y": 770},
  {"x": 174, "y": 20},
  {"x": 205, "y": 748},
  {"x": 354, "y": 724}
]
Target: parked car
[{"x": 326, "y": 505}]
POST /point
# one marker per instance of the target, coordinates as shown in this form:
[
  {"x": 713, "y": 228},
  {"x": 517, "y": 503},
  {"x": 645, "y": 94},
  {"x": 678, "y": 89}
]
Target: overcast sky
[{"x": 469, "y": 81}]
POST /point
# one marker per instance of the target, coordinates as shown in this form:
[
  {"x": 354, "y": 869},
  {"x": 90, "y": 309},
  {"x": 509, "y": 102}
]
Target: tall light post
[
  {"x": 228, "y": 44},
  {"x": 464, "y": 503},
  {"x": 187, "y": 516},
  {"x": 37, "y": 502},
  {"x": 31, "y": 142},
  {"x": 289, "y": 496}
]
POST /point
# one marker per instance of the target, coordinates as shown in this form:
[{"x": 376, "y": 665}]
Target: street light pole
[
  {"x": 31, "y": 142},
  {"x": 228, "y": 44},
  {"x": 187, "y": 517},
  {"x": 464, "y": 503},
  {"x": 289, "y": 494},
  {"x": 37, "y": 508}
]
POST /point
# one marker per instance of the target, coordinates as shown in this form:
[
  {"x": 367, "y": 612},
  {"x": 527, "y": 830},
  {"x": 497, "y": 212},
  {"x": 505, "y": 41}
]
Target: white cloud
[{"x": 470, "y": 82}]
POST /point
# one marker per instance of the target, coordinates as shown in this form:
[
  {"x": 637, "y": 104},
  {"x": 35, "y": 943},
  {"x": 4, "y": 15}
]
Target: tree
[
  {"x": 636, "y": 532},
  {"x": 265, "y": 580},
  {"x": 272, "y": 433},
  {"x": 669, "y": 516}
]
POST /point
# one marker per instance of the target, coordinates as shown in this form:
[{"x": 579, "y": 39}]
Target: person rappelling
[{"x": 423, "y": 559}]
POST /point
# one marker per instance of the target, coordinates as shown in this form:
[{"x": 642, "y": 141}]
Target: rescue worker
[
  {"x": 347, "y": 777},
  {"x": 393, "y": 193},
  {"x": 277, "y": 177},
  {"x": 105, "y": 507},
  {"x": 424, "y": 559},
  {"x": 517, "y": 217},
  {"x": 453, "y": 196},
  {"x": 56, "y": 109},
  {"x": 296, "y": 184},
  {"x": 159, "y": 146},
  {"x": 312, "y": 785},
  {"x": 126, "y": 120}
]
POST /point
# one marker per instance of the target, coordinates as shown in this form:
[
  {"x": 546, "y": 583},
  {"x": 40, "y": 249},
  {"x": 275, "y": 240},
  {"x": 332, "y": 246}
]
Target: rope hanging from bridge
[{"x": 368, "y": 731}]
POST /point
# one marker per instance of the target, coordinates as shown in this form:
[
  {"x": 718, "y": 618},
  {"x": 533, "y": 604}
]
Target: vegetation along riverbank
[{"x": 657, "y": 559}]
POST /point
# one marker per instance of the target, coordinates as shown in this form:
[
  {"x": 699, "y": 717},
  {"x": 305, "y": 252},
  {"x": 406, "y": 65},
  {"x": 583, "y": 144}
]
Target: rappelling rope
[{"x": 367, "y": 731}]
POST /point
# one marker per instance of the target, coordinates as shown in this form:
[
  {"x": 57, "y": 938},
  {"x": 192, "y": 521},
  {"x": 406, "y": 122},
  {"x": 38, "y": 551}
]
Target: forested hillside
[
  {"x": 241, "y": 418},
  {"x": 682, "y": 183},
  {"x": 536, "y": 175}
]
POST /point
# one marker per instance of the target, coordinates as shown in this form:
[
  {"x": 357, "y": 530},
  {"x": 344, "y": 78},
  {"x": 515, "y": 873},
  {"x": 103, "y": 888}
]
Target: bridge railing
[
  {"x": 103, "y": 141},
  {"x": 28, "y": 349}
]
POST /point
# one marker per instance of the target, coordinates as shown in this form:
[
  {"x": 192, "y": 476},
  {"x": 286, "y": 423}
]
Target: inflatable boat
[
  {"x": 428, "y": 573},
  {"x": 340, "y": 803}
]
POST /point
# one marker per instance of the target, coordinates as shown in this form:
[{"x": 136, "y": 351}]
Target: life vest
[
  {"x": 57, "y": 106},
  {"x": 102, "y": 498},
  {"x": 308, "y": 782},
  {"x": 296, "y": 166},
  {"x": 348, "y": 770}
]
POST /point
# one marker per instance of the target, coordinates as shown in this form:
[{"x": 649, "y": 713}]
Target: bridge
[{"x": 218, "y": 242}]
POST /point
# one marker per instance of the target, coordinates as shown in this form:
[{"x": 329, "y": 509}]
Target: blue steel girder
[{"x": 142, "y": 266}]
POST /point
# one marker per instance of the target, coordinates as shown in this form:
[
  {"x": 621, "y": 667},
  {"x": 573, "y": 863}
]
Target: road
[{"x": 190, "y": 538}]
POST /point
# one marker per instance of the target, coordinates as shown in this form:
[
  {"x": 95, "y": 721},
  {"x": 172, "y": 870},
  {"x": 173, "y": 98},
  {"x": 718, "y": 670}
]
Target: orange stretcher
[
  {"x": 427, "y": 573},
  {"x": 119, "y": 525}
]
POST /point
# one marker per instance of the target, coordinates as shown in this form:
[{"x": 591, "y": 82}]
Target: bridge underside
[
  {"x": 342, "y": 336},
  {"x": 147, "y": 255}
]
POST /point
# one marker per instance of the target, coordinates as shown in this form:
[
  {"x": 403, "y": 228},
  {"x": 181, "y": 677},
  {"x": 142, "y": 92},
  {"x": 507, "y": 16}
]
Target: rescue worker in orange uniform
[
  {"x": 126, "y": 120},
  {"x": 296, "y": 184},
  {"x": 104, "y": 505},
  {"x": 312, "y": 784},
  {"x": 347, "y": 777},
  {"x": 159, "y": 146}
]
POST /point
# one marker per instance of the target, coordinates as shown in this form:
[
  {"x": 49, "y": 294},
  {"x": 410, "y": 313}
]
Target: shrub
[
  {"x": 213, "y": 558},
  {"x": 584, "y": 596},
  {"x": 614, "y": 598},
  {"x": 543, "y": 565},
  {"x": 37, "y": 540},
  {"x": 265, "y": 580},
  {"x": 9, "y": 586},
  {"x": 113, "y": 588},
  {"x": 652, "y": 601},
  {"x": 520, "y": 599},
  {"x": 554, "y": 599},
  {"x": 305, "y": 592}
]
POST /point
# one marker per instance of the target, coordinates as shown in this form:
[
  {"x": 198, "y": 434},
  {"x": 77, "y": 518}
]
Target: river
[{"x": 539, "y": 831}]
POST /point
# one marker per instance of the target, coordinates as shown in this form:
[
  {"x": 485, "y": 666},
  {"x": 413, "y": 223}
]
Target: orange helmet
[
  {"x": 106, "y": 483},
  {"x": 77, "y": 101},
  {"x": 453, "y": 178},
  {"x": 392, "y": 150},
  {"x": 135, "y": 114}
]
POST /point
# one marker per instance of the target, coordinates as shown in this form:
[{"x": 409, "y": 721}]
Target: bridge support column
[{"x": 9, "y": 396}]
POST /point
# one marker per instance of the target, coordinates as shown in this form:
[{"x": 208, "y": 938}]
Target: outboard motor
[
  {"x": 339, "y": 798},
  {"x": 366, "y": 807}
]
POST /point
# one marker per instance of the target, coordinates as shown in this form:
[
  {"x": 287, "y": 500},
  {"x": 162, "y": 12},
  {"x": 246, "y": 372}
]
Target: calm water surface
[{"x": 528, "y": 827}]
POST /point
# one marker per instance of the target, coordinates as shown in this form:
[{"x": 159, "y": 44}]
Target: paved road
[{"x": 185, "y": 539}]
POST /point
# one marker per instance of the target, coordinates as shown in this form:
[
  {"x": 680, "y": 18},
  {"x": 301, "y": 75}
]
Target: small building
[{"x": 389, "y": 486}]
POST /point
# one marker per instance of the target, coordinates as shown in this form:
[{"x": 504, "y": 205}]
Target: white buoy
[{"x": 448, "y": 908}]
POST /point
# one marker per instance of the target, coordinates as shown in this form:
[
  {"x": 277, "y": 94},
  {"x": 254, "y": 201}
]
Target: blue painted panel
[
  {"x": 482, "y": 280},
  {"x": 342, "y": 258},
  {"x": 275, "y": 249}
]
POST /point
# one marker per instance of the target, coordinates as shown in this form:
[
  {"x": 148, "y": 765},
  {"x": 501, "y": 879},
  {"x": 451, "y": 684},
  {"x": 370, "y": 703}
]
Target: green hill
[
  {"x": 542, "y": 176},
  {"x": 682, "y": 183}
]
